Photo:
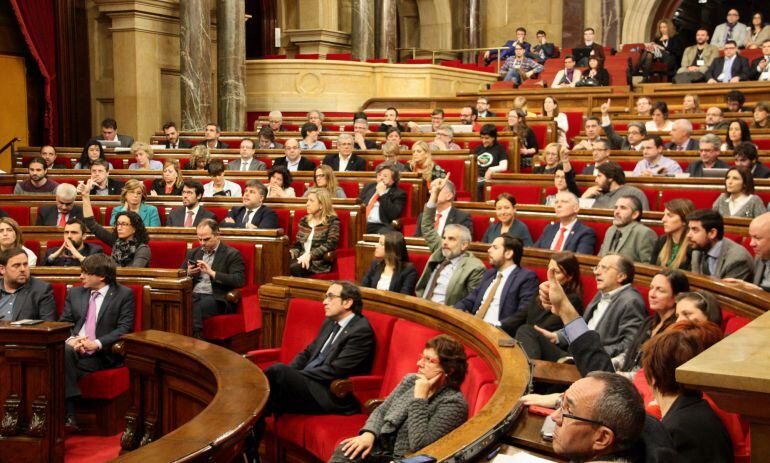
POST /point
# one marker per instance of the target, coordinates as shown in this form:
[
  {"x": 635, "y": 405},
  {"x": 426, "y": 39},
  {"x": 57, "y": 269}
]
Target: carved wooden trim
[
  {"x": 39, "y": 419},
  {"x": 11, "y": 422}
]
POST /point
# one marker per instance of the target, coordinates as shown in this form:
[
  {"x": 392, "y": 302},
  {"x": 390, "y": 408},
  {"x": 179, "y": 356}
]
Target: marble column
[
  {"x": 195, "y": 61},
  {"x": 231, "y": 63},
  {"x": 388, "y": 38},
  {"x": 362, "y": 35},
  {"x": 474, "y": 30},
  {"x": 611, "y": 17}
]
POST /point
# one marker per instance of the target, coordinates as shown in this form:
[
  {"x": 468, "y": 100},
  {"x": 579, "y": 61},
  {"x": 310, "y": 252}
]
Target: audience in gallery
[
  {"x": 170, "y": 184},
  {"x": 758, "y": 32},
  {"x": 564, "y": 182},
  {"x": 653, "y": 163},
  {"x": 713, "y": 253},
  {"x": 247, "y": 162},
  {"x": 595, "y": 74},
  {"x": 266, "y": 138},
  {"x": 279, "y": 183},
  {"x": 708, "y": 150},
  {"x": 660, "y": 121},
  {"x": 172, "y": 137},
  {"x": 737, "y": 132},
  {"x": 667, "y": 48},
  {"x": 746, "y": 156},
  {"x": 691, "y": 104},
  {"x": 551, "y": 109},
  {"x": 211, "y": 135},
  {"x": 759, "y": 231},
  {"x": 252, "y": 214},
  {"x": 445, "y": 213},
  {"x": 697, "y": 59},
  {"x": 760, "y": 70},
  {"x": 739, "y": 199},
  {"x": 324, "y": 179},
  {"x": 384, "y": 200},
  {"x": 48, "y": 153},
  {"x": 219, "y": 186},
  {"x": 443, "y": 140},
  {"x": 627, "y": 235},
  {"x": 318, "y": 233},
  {"x": 731, "y": 30},
  {"x": 543, "y": 49},
  {"x": 38, "y": 182},
  {"x": 600, "y": 153},
  {"x": 506, "y": 223},
  {"x": 345, "y": 160},
  {"x": 556, "y": 157},
  {"x": 588, "y": 49},
  {"x": 110, "y": 134},
  {"x": 732, "y": 67},
  {"x": 591, "y": 129},
  {"x": 672, "y": 248},
  {"x": 611, "y": 185},
  {"x": 569, "y": 233},
  {"x": 391, "y": 269},
  {"x": 390, "y": 153},
  {"x": 133, "y": 198},
  {"x": 518, "y": 68},
  {"x": 316, "y": 117},
  {"x": 191, "y": 212},
  {"x": 310, "y": 141},
  {"x": 293, "y": 159},
  {"x": 569, "y": 76},
  {"x": 142, "y": 153},
  {"x": 507, "y": 49},
  {"x": 65, "y": 208},
  {"x": 517, "y": 124},
  {"x": 200, "y": 156},
  {"x": 12, "y": 237},
  {"x": 24, "y": 297},
  {"x": 422, "y": 163}
]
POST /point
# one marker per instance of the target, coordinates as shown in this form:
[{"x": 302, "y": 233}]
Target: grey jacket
[
  {"x": 753, "y": 208},
  {"x": 255, "y": 164},
  {"x": 636, "y": 242},
  {"x": 734, "y": 262},
  {"x": 759, "y": 272}
]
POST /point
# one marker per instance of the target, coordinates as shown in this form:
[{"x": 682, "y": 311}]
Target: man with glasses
[
  {"x": 636, "y": 132},
  {"x": 730, "y": 31},
  {"x": 709, "y": 156},
  {"x": 64, "y": 210},
  {"x": 443, "y": 140},
  {"x": 247, "y": 161},
  {"x": 360, "y": 129},
  {"x": 293, "y": 159},
  {"x": 74, "y": 249},
  {"x": 601, "y": 155},
  {"x": 344, "y": 159},
  {"x": 729, "y": 68},
  {"x": 216, "y": 269}
]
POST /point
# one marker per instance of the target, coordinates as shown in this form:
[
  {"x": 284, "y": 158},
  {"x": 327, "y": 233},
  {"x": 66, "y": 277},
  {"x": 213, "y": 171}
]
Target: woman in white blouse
[
  {"x": 279, "y": 185},
  {"x": 660, "y": 121},
  {"x": 739, "y": 199},
  {"x": 551, "y": 109}
]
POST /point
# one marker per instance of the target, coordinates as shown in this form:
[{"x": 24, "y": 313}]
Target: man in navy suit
[
  {"x": 253, "y": 214},
  {"x": 568, "y": 234},
  {"x": 102, "y": 310},
  {"x": 729, "y": 68},
  {"x": 172, "y": 137},
  {"x": 191, "y": 212},
  {"x": 506, "y": 287}
]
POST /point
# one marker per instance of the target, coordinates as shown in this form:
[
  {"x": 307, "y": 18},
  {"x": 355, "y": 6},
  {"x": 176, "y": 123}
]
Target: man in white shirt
[
  {"x": 247, "y": 162},
  {"x": 445, "y": 213},
  {"x": 654, "y": 163},
  {"x": 731, "y": 67},
  {"x": 592, "y": 130},
  {"x": 568, "y": 234}
]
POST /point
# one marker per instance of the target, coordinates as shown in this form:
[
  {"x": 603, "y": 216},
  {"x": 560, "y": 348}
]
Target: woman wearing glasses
[
  {"x": 423, "y": 408},
  {"x": 326, "y": 180}
]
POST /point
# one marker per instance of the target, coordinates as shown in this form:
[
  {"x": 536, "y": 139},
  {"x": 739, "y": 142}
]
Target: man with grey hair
[
  {"x": 275, "y": 121},
  {"x": 759, "y": 231},
  {"x": 443, "y": 140},
  {"x": 627, "y": 235},
  {"x": 681, "y": 131},
  {"x": 360, "y": 129},
  {"x": 316, "y": 117},
  {"x": 445, "y": 213},
  {"x": 635, "y": 134},
  {"x": 569, "y": 233},
  {"x": 345, "y": 160},
  {"x": 709, "y": 156},
  {"x": 451, "y": 272},
  {"x": 65, "y": 208}
]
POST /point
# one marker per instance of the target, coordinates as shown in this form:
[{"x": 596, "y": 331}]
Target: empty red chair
[
  {"x": 702, "y": 198},
  {"x": 18, "y": 213},
  {"x": 167, "y": 254},
  {"x": 524, "y": 194},
  {"x": 340, "y": 56}
]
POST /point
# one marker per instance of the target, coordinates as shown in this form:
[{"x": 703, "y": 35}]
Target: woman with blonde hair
[
  {"x": 133, "y": 199},
  {"x": 199, "y": 158},
  {"x": 326, "y": 180},
  {"x": 172, "y": 181},
  {"x": 422, "y": 163},
  {"x": 142, "y": 153},
  {"x": 318, "y": 232},
  {"x": 11, "y": 237},
  {"x": 672, "y": 249}
]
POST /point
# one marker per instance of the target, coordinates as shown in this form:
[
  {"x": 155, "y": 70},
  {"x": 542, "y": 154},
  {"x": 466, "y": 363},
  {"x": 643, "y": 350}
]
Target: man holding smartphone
[{"x": 74, "y": 250}]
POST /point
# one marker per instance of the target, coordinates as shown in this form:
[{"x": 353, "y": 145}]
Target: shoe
[{"x": 71, "y": 425}]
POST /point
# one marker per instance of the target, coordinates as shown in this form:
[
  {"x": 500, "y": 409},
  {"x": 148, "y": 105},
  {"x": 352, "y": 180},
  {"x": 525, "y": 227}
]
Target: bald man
[{"x": 759, "y": 231}]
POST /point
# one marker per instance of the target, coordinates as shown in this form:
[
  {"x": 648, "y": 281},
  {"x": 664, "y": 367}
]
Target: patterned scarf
[{"x": 123, "y": 251}]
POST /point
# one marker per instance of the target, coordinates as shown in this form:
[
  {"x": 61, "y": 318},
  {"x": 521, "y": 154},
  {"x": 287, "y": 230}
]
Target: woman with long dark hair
[
  {"x": 91, "y": 152},
  {"x": 739, "y": 199},
  {"x": 672, "y": 249},
  {"x": 391, "y": 269}
]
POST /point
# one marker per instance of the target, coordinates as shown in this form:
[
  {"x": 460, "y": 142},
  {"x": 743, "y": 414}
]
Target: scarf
[{"x": 123, "y": 251}]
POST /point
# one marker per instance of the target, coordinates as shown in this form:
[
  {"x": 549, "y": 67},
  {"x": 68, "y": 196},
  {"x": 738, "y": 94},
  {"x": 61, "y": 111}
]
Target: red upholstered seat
[
  {"x": 536, "y": 226},
  {"x": 351, "y": 189},
  {"x": 541, "y": 134},
  {"x": 704, "y": 198},
  {"x": 419, "y": 261},
  {"x": 486, "y": 391},
  {"x": 33, "y": 246},
  {"x": 480, "y": 225},
  {"x": 735, "y": 323},
  {"x": 479, "y": 374},
  {"x": 18, "y": 213},
  {"x": 456, "y": 170},
  {"x": 524, "y": 194},
  {"x": 340, "y": 56},
  {"x": 167, "y": 254},
  {"x": 321, "y": 434}
]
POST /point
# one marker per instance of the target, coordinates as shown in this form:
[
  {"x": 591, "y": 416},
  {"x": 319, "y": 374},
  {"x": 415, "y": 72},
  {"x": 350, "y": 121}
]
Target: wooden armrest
[
  {"x": 234, "y": 296},
  {"x": 341, "y": 387},
  {"x": 372, "y": 405},
  {"x": 330, "y": 256},
  {"x": 552, "y": 372}
]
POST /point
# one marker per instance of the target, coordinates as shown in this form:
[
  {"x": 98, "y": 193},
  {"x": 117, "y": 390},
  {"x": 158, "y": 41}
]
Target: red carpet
[{"x": 91, "y": 449}]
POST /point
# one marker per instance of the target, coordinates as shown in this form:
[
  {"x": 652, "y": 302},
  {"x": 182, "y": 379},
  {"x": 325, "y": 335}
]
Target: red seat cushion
[
  {"x": 456, "y": 169},
  {"x": 323, "y": 433},
  {"x": 167, "y": 254},
  {"x": 704, "y": 199},
  {"x": 221, "y": 327},
  {"x": 303, "y": 321},
  {"x": 480, "y": 225},
  {"x": 104, "y": 384},
  {"x": 419, "y": 260}
]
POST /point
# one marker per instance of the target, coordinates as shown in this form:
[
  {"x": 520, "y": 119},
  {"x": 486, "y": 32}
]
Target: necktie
[
  {"x": 615, "y": 240},
  {"x": 188, "y": 221},
  {"x": 560, "y": 239},
  {"x": 62, "y": 220},
  {"x": 488, "y": 301},
  {"x": 247, "y": 216},
  {"x": 319, "y": 358},
  {"x": 436, "y": 274},
  {"x": 372, "y": 201},
  {"x": 90, "y": 324},
  {"x": 438, "y": 221},
  {"x": 244, "y": 166}
]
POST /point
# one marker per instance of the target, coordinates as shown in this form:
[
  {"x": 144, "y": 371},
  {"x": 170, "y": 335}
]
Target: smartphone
[
  {"x": 25, "y": 322},
  {"x": 549, "y": 426},
  {"x": 418, "y": 459},
  {"x": 193, "y": 263}
]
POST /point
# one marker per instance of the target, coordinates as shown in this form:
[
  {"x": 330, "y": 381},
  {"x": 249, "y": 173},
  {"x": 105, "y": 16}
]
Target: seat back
[
  {"x": 18, "y": 213},
  {"x": 704, "y": 199},
  {"x": 167, "y": 254},
  {"x": 303, "y": 320},
  {"x": 456, "y": 169},
  {"x": 247, "y": 251},
  {"x": 138, "y": 291},
  {"x": 479, "y": 373},
  {"x": 382, "y": 325},
  {"x": 524, "y": 194},
  {"x": 407, "y": 343},
  {"x": 419, "y": 261},
  {"x": 480, "y": 225}
]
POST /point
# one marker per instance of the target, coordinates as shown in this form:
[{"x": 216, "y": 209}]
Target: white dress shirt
[
  {"x": 568, "y": 230},
  {"x": 493, "y": 313}
]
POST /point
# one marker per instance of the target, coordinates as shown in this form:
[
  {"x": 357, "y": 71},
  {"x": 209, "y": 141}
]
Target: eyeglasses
[
  {"x": 603, "y": 268},
  {"x": 122, "y": 224},
  {"x": 320, "y": 175},
  {"x": 329, "y": 296},
  {"x": 560, "y": 410},
  {"x": 422, "y": 358}
]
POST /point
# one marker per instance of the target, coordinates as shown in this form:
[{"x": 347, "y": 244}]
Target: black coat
[
  {"x": 698, "y": 433},
  {"x": 534, "y": 314},
  {"x": 181, "y": 144},
  {"x": 402, "y": 281},
  {"x": 740, "y": 68},
  {"x": 48, "y": 216},
  {"x": 304, "y": 163},
  {"x": 229, "y": 267},
  {"x": 265, "y": 218},
  {"x": 391, "y": 204},
  {"x": 355, "y": 163},
  {"x": 114, "y": 187}
]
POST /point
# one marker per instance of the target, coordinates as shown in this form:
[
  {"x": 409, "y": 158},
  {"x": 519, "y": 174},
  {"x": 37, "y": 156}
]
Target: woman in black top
[
  {"x": 595, "y": 75},
  {"x": 517, "y": 123},
  {"x": 667, "y": 48},
  {"x": 672, "y": 249},
  {"x": 172, "y": 181},
  {"x": 391, "y": 269}
]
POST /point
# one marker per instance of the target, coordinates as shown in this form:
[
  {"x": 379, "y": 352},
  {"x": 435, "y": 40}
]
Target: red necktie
[
  {"x": 370, "y": 206},
  {"x": 62, "y": 220},
  {"x": 560, "y": 239},
  {"x": 188, "y": 221},
  {"x": 438, "y": 220}
]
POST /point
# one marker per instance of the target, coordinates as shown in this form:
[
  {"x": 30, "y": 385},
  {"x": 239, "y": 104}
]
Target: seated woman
[
  {"x": 660, "y": 121},
  {"x": 551, "y": 109},
  {"x": 505, "y": 211},
  {"x": 563, "y": 181},
  {"x": 279, "y": 183},
  {"x": 310, "y": 141},
  {"x": 556, "y": 157},
  {"x": 91, "y": 152},
  {"x": 218, "y": 186},
  {"x": 761, "y": 115},
  {"x": 567, "y": 270},
  {"x": 739, "y": 199},
  {"x": 423, "y": 408},
  {"x": 698, "y": 306},
  {"x": 737, "y": 132},
  {"x": 129, "y": 238},
  {"x": 318, "y": 232},
  {"x": 142, "y": 153},
  {"x": 595, "y": 75},
  {"x": 199, "y": 158},
  {"x": 393, "y": 135},
  {"x": 695, "y": 429},
  {"x": 691, "y": 104},
  {"x": 11, "y": 237},
  {"x": 422, "y": 163},
  {"x": 667, "y": 48},
  {"x": 390, "y": 152},
  {"x": 326, "y": 180},
  {"x": 672, "y": 249},
  {"x": 391, "y": 269},
  {"x": 172, "y": 181},
  {"x": 133, "y": 199},
  {"x": 758, "y": 31},
  {"x": 517, "y": 123}
]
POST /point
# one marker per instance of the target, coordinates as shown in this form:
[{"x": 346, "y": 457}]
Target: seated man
[
  {"x": 569, "y": 233},
  {"x": 23, "y": 296},
  {"x": 482, "y": 107},
  {"x": 391, "y": 120},
  {"x": 731, "y": 67},
  {"x": 627, "y": 236},
  {"x": 588, "y": 49},
  {"x": 746, "y": 156},
  {"x": 636, "y": 132},
  {"x": 506, "y": 287},
  {"x": 247, "y": 161},
  {"x": 653, "y": 162},
  {"x": 521, "y": 38},
  {"x": 384, "y": 200},
  {"x": 715, "y": 119},
  {"x": 216, "y": 269},
  {"x": 192, "y": 212},
  {"x": 735, "y": 100},
  {"x": 518, "y": 68},
  {"x": 543, "y": 49},
  {"x": 211, "y": 137},
  {"x": 681, "y": 131},
  {"x": 310, "y": 141},
  {"x": 360, "y": 129},
  {"x": 74, "y": 249},
  {"x": 567, "y": 77},
  {"x": 436, "y": 120},
  {"x": 601, "y": 155},
  {"x": 48, "y": 153},
  {"x": 103, "y": 184},
  {"x": 445, "y": 213},
  {"x": 443, "y": 140},
  {"x": 616, "y": 313},
  {"x": 611, "y": 185},
  {"x": 713, "y": 253},
  {"x": 643, "y": 106},
  {"x": 37, "y": 183},
  {"x": 253, "y": 214},
  {"x": 469, "y": 116},
  {"x": 344, "y": 160},
  {"x": 110, "y": 133},
  {"x": 759, "y": 231},
  {"x": 219, "y": 186},
  {"x": 760, "y": 67},
  {"x": 64, "y": 210},
  {"x": 592, "y": 134},
  {"x": 452, "y": 272},
  {"x": 293, "y": 159},
  {"x": 102, "y": 310},
  {"x": 696, "y": 59},
  {"x": 730, "y": 31},
  {"x": 709, "y": 156},
  {"x": 172, "y": 137}
]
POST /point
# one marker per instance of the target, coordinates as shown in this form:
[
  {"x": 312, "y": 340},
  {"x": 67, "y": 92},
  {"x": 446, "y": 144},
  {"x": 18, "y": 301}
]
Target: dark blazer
[
  {"x": 740, "y": 68},
  {"x": 520, "y": 287},
  {"x": 402, "y": 281},
  {"x": 34, "y": 300},
  {"x": 585, "y": 52},
  {"x": 304, "y": 163},
  {"x": 602, "y": 77},
  {"x": 692, "y": 145},
  {"x": 230, "y": 268},
  {"x": 355, "y": 163},
  {"x": 181, "y": 144},
  {"x": 697, "y": 431},
  {"x": 617, "y": 142},
  {"x": 581, "y": 239},
  {"x": 114, "y": 187},
  {"x": 116, "y": 316},
  {"x": 49, "y": 216},
  {"x": 695, "y": 169},
  {"x": 352, "y": 353},
  {"x": 535, "y": 314},
  {"x": 589, "y": 355},
  {"x": 548, "y": 49},
  {"x": 220, "y": 145},
  {"x": 125, "y": 140},
  {"x": 754, "y": 74},
  {"x": 391, "y": 204},
  {"x": 263, "y": 218},
  {"x": 760, "y": 171},
  {"x": 159, "y": 187},
  {"x": 65, "y": 259},
  {"x": 177, "y": 215},
  {"x": 455, "y": 216},
  {"x": 685, "y": 265}
]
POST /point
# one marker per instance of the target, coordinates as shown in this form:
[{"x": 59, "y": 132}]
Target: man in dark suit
[
  {"x": 713, "y": 253},
  {"x": 110, "y": 133},
  {"x": 253, "y": 214},
  {"x": 681, "y": 136},
  {"x": 192, "y": 211},
  {"x": 709, "y": 156},
  {"x": 216, "y": 269},
  {"x": 384, "y": 200},
  {"x": 635, "y": 133},
  {"x": 360, "y": 129},
  {"x": 172, "y": 137},
  {"x": 445, "y": 213},
  {"x": 65, "y": 208},
  {"x": 293, "y": 159},
  {"x": 588, "y": 49},
  {"x": 568, "y": 234},
  {"x": 48, "y": 153},
  {"x": 345, "y": 160},
  {"x": 600, "y": 151},
  {"x": 731, "y": 67},
  {"x": 505, "y": 288},
  {"x": 760, "y": 67},
  {"x": 482, "y": 106},
  {"x": 747, "y": 156},
  {"x": 247, "y": 161},
  {"x": 211, "y": 137},
  {"x": 103, "y": 184},
  {"x": 23, "y": 296},
  {"x": 542, "y": 49},
  {"x": 759, "y": 231},
  {"x": 102, "y": 310},
  {"x": 74, "y": 250}
]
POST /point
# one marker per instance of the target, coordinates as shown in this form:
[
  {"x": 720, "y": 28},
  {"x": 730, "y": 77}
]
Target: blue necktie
[{"x": 319, "y": 359}]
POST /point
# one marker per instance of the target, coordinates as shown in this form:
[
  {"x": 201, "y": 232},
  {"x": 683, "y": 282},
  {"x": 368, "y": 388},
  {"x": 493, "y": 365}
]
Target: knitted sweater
[{"x": 425, "y": 420}]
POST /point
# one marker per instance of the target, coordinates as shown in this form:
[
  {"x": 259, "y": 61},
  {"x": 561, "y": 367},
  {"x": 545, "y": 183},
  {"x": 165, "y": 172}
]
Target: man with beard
[
  {"x": 74, "y": 250},
  {"x": 38, "y": 182},
  {"x": 627, "y": 235},
  {"x": 611, "y": 185},
  {"x": 696, "y": 59},
  {"x": 23, "y": 296},
  {"x": 192, "y": 212},
  {"x": 715, "y": 119},
  {"x": 601, "y": 155},
  {"x": 172, "y": 137},
  {"x": 713, "y": 253},
  {"x": 451, "y": 272}
]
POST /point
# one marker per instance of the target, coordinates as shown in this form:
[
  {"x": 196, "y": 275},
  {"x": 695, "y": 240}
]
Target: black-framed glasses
[
  {"x": 329, "y": 296},
  {"x": 560, "y": 410}
]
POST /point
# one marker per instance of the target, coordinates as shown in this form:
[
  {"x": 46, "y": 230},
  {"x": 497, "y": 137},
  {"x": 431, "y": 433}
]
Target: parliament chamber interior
[{"x": 414, "y": 231}]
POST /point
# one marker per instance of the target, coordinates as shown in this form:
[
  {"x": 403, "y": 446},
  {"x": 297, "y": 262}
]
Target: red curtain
[{"x": 38, "y": 26}]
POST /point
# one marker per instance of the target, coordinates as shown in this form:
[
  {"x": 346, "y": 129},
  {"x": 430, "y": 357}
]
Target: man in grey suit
[
  {"x": 247, "y": 161},
  {"x": 714, "y": 254},
  {"x": 627, "y": 235},
  {"x": 759, "y": 231},
  {"x": 110, "y": 133},
  {"x": 65, "y": 208},
  {"x": 729, "y": 30},
  {"x": 192, "y": 211},
  {"x": 23, "y": 296}
]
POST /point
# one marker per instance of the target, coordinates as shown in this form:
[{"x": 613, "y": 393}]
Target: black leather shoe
[{"x": 70, "y": 424}]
